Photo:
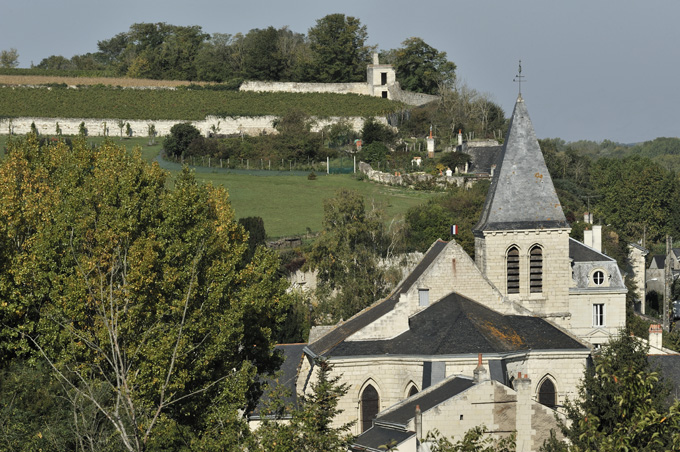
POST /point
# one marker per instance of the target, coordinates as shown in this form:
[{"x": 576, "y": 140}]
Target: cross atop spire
[{"x": 518, "y": 78}]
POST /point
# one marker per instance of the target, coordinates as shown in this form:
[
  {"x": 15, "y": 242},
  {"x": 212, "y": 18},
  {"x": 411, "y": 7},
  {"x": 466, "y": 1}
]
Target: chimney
[
  {"x": 588, "y": 237},
  {"x": 597, "y": 238},
  {"x": 479, "y": 374},
  {"x": 419, "y": 423},
  {"x": 655, "y": 336},
  {"x": 375, "y": 58},
  {"x": 523, "y": 412}
]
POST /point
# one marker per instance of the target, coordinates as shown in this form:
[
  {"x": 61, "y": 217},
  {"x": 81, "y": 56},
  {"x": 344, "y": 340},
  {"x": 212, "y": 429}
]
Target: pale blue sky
[{"x": 594, "y": 69}]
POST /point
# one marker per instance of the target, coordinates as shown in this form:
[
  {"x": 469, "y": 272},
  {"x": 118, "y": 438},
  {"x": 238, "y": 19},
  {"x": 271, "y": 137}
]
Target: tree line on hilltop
[{"x": 334, "y": 50}]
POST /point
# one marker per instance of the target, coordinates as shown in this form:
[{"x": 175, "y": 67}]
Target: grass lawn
[{"x": 289, "y": 205}]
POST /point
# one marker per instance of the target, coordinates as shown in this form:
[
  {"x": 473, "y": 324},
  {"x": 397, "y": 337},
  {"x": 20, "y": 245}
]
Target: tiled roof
[
  {"x": 377, "y": 436},
  {"x": 522, "y": 195},
  {"x": 426, "y": 400},
  {"x": 457, "y": 325},
  {"x": 582, "y": 253},
  {"x": 291, "y": 355}
]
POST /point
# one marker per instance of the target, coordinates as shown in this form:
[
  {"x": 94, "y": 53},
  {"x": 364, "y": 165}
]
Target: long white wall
[
  {"x": 249, "y": 125},
  {"x": 294, "y": 87}
]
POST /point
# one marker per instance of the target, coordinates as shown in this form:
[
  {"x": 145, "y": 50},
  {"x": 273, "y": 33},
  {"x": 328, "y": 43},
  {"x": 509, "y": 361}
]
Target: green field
[{"x": 288, "y": 204}]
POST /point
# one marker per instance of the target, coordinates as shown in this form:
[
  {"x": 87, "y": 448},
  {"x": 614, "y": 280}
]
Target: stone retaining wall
[
  {"x": 411, "y": 179},
  {"x": 249, "y": 125}
]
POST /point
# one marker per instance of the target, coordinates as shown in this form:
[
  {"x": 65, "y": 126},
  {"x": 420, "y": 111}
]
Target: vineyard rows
[{"x": 180, "y": 104}]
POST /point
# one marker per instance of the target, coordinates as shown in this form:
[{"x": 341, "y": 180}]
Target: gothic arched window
[
  {"x": 512, "y": 267},
  {"x": 546, "y": 393},
  {"x": 412, "y": 391},
  {"x": 536, "y": 269},
  {"x": 370, "y": 403}
]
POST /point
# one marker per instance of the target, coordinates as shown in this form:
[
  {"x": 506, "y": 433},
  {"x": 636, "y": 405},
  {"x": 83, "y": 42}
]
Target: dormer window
[{"x": 598, "y": 277}]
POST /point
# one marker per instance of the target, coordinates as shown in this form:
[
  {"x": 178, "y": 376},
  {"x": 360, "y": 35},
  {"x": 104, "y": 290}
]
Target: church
[{"x": 500, "y": 340}]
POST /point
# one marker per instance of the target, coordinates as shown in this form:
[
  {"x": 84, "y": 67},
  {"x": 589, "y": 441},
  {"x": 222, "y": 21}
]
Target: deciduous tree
[
  {"x": 339, "y": 51},
  {"x": 137, "y": 296},
  {"x": 421, "y": 68}
]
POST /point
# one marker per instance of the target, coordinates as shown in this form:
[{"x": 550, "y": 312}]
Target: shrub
[{"x": 181, "y": 136}]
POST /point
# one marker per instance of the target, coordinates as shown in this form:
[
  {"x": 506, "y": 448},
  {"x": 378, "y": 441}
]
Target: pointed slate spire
[{"x": 521, "y": 195}]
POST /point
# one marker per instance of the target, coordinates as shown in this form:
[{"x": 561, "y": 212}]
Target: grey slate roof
[
  {"x": 377, "y": 436},
  {"x": 457, "y": 325},
  {"x": 483, "y": 158},
  {"x": 374, "y": 312},
  {"x": 669, "y": 367},
  {"x": 292, "y": 357},
  {"x": 426, "y": 400},
  {"x": 522, "y": 195},
  {"x": 658, "y": 261},
  {"x": 582, "y": 253}
]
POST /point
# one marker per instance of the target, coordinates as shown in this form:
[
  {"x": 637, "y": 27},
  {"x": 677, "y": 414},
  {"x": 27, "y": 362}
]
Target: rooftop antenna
[{"x": 518, "y": 78}]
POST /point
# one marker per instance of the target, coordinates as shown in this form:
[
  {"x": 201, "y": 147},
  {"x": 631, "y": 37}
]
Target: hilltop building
[
  {"x": 381, "y": 81},
  {"x": 500, "y": 340}
]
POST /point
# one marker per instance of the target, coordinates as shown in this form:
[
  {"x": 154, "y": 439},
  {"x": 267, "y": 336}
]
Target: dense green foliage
[
  {"x": 620, "y": 405},
  {"x": 181, "y": 136},
  {"x": 475, "y": 439},
  {"x": 136, "y": 296},
  {"x": 433, "y": 220},
  {"x": 339, "y": 51},
  {"x": 9, "y": 58},
  {"x": 179, "y": 104},
  {"x": 459, "y": 108},
  {"x": 310, "y": 427},
  {"x": 346, "y": 256},
  {"x": 421, "y": 68}
]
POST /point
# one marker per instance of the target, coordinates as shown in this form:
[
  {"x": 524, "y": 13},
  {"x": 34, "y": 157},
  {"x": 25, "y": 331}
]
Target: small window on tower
[{"x": 384, "y": 94}]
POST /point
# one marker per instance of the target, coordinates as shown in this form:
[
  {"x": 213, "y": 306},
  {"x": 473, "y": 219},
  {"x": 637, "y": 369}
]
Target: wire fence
[{"x": 267, "y": 167}]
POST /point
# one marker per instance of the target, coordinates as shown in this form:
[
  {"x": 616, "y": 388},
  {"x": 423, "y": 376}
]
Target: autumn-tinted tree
[
  {"x": 338, "y": 49},
  {"x": 136, "y": 296}
]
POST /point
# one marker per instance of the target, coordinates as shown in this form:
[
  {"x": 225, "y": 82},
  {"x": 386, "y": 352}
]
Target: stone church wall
[{"x": 553, "y": 302}]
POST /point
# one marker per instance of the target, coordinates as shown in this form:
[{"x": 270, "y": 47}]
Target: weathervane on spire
[{"x": 518, "y": 78}]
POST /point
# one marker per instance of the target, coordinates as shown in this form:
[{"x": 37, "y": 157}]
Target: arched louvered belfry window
[
  {"x": 370, "y": 403},
  {"x": 536, "y": 269},
  {"x": 547, "y": 394},
  {"x": 512, "y": 267}
]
